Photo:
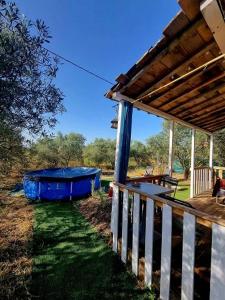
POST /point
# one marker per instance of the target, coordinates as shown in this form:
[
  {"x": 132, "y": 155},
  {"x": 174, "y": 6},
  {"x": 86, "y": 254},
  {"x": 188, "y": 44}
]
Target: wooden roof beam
[
  {"x": 212, "y": 120},
  {"x": 214, "y": 18},
  {"x": 204, "y": 104},
  {"x": 194, "y": 99},
  {"x": 172, "y": 44},
  {"x": 119, "y": 97},
  {"x": 205, "y": 112},
  {"x": 207, "y": 115},
  {"x": 217, "y": 126},
  {"x": 199, "y": 86},
  {"x": 187, "y": 62}
]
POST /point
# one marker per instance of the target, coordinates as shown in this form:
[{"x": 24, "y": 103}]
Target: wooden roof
[{"x": 187, "y": 43}]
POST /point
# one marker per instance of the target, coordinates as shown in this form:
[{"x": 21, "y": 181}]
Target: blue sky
[{"x": 107, "y": 37}]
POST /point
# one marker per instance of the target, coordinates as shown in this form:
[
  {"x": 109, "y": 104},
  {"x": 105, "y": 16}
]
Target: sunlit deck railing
[{"x": 127, "y": 211}]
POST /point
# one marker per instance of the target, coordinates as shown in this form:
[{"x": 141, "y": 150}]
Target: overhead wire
[{"x": 79, "y": 66}]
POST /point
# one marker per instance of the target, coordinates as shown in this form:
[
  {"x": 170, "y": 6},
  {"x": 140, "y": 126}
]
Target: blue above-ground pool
[{"x": 61, "y": 183}]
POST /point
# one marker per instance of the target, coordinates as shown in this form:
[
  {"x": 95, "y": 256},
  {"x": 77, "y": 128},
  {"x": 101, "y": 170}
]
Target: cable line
[{"x": 80, "y": 67}]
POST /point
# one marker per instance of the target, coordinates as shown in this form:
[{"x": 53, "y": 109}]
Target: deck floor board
[{"x": 207, "y": 204}]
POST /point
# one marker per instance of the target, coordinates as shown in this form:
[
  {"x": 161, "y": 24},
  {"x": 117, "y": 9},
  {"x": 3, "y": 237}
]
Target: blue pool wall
[{"x": 61, "y": 184}]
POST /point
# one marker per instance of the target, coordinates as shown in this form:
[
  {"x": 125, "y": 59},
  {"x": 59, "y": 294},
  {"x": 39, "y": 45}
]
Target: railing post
[
  {"x": 192, "y": 163},
  {"x": 211, "y": 161},
  {"x": 125, "y": 226},
  {"x": 166, "y": 252},
  {"x": 188, "y": 257},
  {"x": 136, "y": 226},
  {"x": 123, "y": 141},
  {"x": 170, "y": 162}
]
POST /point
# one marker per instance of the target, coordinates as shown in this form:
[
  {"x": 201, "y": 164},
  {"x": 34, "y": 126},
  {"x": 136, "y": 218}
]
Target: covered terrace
[{"x": 181, "y": 79}]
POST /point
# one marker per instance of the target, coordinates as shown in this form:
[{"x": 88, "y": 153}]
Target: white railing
[
  {"x": 202, "y": 180},
  {"x": 133, "y": 216}
]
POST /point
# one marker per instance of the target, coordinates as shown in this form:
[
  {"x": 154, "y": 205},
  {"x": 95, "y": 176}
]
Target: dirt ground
[
  {"x": 98, "y": 213},
  {"x": 15, "y": 250}
]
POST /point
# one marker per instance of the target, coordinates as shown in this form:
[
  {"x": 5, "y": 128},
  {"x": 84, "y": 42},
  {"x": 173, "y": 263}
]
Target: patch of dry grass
[{"x": 15, "y": 252}]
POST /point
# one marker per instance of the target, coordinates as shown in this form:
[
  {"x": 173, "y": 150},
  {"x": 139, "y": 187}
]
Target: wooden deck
[{"x": 207, "y": 204}]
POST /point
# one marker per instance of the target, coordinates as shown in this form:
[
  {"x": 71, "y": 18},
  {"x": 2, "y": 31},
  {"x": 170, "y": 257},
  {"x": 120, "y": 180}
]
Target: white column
[
  {"x": 211, "y": 162},
  {"x": 171, "y": 135},
  {"x": 192, "y": 163}
]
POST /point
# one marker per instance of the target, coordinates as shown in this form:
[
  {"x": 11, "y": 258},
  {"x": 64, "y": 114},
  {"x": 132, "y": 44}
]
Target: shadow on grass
[{"x": 72, "y": 262}]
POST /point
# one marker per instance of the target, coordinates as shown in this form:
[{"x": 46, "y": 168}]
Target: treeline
[{"x": 63, "y": 150}]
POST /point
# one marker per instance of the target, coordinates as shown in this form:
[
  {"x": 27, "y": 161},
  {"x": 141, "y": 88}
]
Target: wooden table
[{"x": 150, "y": 188}]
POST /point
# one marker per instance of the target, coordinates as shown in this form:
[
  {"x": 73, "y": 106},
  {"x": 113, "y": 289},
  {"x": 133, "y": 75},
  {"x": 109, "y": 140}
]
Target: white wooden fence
[
  {"x": 202, "y": 180},
  {"x": 190, "y": 217}
]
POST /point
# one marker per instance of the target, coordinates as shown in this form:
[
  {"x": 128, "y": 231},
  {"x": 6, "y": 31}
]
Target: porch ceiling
[{"x": 187, "y": 43}]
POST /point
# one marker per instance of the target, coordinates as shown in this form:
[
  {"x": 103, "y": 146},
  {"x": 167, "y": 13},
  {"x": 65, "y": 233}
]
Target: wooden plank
[
  {"x": 177, "y": 24},
  {"x": 187, "y": 34},
  {"x": 149, "y": 242},
  {"x": 125, "y": 227},
  {"x": 202, "y": 217},
  {"x": 117, "y": 96},
  {"x": 186, "y": 93},
  {"x": 188, "y": 257},
  {"x": 192, "y": 163},
  {"x": 181, "y": 68},
  {"x": 202, "y": 106},
  {"x": 214, "y": 18},
  {"x": 166, "y": 252},
  {"x": 177, "y": 104},
  {"x": 115, "y": 217},
  {"x": 170, "y": 160},
  {"x": 190, "y": 8},
  {"x": 135, "y": 241},
  {"x": 217, "y": 279}
]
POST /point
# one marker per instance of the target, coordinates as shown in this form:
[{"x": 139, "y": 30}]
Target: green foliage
[
  {"x": 100, "y": 153},
  {"x": 28, "y": 97},
  {"x": 60, "y": 150},
  {"x": 12, "y": 152},
  {"x": 219, "y": 142},
  {"x": 139, "y": 152},
  {"x": 159, "y": 147}
]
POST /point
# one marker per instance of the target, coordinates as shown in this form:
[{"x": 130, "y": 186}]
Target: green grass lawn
[
  {"x": 70, "y": 261},
  {"x": 184, "y": 192}
]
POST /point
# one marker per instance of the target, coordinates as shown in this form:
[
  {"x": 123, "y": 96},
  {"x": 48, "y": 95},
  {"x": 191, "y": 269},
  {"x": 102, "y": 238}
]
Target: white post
[
  {"x": 192, "y": 163},
  {"x": 211, "y": 162},
  {"x": 171, "y": 135}
]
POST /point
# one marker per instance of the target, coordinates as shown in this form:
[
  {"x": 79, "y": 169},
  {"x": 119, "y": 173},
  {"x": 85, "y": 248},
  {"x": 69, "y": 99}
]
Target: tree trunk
[{"x": 186, "y": 173}]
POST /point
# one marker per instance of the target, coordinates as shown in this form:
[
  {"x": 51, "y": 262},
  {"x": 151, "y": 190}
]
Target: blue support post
[{"x": 123, "y": 141}]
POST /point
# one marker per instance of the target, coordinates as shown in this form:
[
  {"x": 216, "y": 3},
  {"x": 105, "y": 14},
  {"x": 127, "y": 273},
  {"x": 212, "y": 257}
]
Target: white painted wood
[
  {"x": 149, "y": 241},
  {"x": 211, "y": 161},
  {"x": 119, "y": 97},
  {"x": 115, "y": 203},
  {"x": 214, "y": 18},
  {"x": 171, "y": 135},
  {"x": 192, "y": 163},
  {"x": 188, "y": 256},
  {"x": 217, "y": 280},
  {"x": 166, "y": 252},
  {"x": 125, "y": 227},
  {"x": 135, "y": 241}
]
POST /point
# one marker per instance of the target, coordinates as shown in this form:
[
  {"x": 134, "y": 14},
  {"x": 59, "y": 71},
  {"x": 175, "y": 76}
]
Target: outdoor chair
[{"x": 171, "y": 181}]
